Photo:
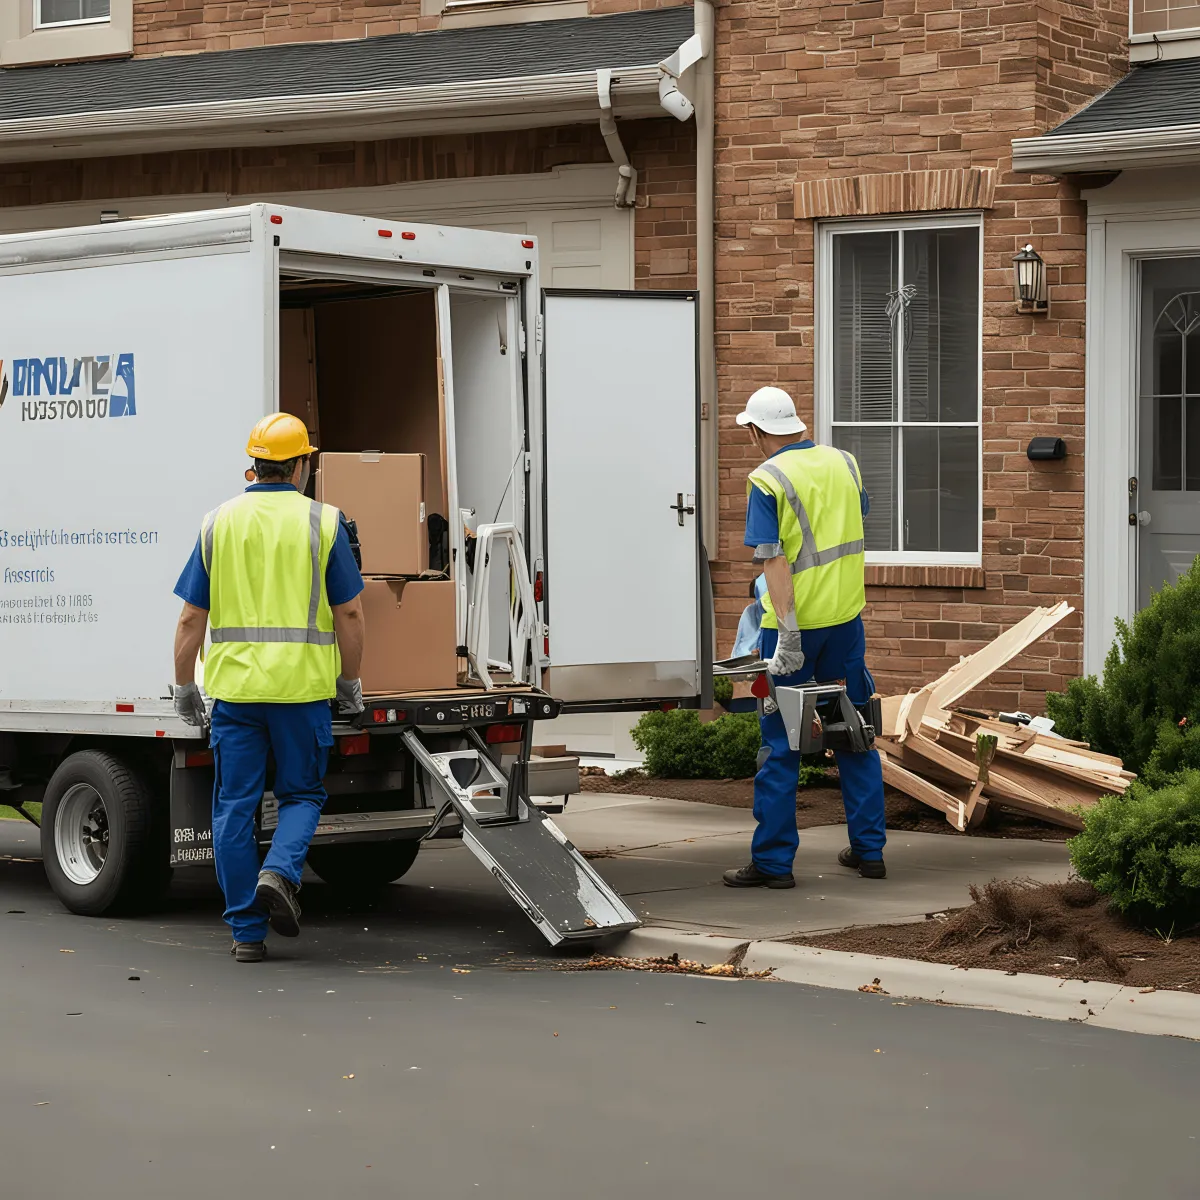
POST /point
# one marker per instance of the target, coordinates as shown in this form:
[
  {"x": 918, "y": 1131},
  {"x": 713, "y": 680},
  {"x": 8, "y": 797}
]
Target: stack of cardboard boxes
[{"x": 410, "y": 616}]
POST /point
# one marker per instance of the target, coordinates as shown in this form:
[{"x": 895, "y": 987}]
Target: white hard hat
[{"x": 771, "y": 410}]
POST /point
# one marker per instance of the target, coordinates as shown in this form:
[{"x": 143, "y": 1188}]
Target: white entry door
[
  {"x": 623, "y": 571},
  {"x": 1166, "y": 503}
]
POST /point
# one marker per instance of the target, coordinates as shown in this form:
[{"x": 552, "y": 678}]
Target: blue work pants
[
  {"x": 830, "y": 656},
  {"x": 299, "y": 736}
]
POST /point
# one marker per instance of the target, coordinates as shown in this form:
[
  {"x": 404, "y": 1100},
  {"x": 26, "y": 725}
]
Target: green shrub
[
  {"x": 1143, "y": 851},
  {"x": 723, "y": 690},
  {"x": 1146, "y": 708},
  {"x": 676, "y": 745}
]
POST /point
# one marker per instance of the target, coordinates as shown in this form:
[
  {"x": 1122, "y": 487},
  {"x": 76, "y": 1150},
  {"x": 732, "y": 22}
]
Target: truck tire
[
  {"x": 98, "y": 843},
  {"x": 363, "y": 866}
]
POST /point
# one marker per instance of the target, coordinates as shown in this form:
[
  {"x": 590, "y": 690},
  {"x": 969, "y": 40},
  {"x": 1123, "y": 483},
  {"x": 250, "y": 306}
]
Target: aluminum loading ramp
[{"x": 553, "y": 883}]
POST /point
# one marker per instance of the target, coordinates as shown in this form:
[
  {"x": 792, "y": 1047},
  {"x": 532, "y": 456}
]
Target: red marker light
[
  {"x": 527, "y": 243},
  {"x": 537, "y": 587},
  {"x": 124, "y": 708},
  {"x": 276, "y": 219},
  {"x": 503, "y": 733},
  {"x": 385, "y": 233},
  {"x": 546, "y": 648},
  {"x": 358, "y": 743},
  {"x": 408, "y": 236}
]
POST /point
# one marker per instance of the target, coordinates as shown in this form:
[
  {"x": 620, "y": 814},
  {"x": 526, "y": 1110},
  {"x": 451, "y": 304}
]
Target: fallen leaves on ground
[{"x": 674, "y": 965}]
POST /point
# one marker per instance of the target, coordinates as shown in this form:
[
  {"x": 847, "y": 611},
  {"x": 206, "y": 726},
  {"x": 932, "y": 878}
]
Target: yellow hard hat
[{"x": 278, "y": 438}]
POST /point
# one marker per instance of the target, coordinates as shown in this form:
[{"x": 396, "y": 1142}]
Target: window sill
[
  {"x": 66, "y": 43},
  {"x": 502, "y": 12},
  {"x": 897, "y": 575},
  {"x": 1164, "y": 46}
]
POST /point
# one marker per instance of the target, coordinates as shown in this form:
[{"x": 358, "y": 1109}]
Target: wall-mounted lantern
[{"x": 1029, "y": 281}]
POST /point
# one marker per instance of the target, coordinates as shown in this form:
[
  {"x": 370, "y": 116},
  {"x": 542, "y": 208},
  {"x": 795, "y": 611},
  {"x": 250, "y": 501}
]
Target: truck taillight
[
  {"x": 537, "y": 587},
  {"x": 503, "y": 733},
  {"x": 386, "y": 716},
  {"x": 355, "y": 743},
  {"x": 546, "y": 647}
]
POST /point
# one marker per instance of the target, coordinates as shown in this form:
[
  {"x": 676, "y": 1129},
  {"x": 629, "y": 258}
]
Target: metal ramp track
[{"x": 554, "y": 885}]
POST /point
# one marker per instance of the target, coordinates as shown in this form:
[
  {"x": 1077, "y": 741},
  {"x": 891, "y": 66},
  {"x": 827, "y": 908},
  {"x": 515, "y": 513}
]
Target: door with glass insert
[{"x": 1166, "y": 504}]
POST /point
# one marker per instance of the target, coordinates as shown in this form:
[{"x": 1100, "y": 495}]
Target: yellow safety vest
[
  {"x": 269, "y": 617},
  {"x": 817, "y": 493}
]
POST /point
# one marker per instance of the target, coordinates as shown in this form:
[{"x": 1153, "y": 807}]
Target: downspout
[
  {"x": 697, "y": 53},
  {"x": 626, "y": 196},
  {"x": 705, "y": 88}
]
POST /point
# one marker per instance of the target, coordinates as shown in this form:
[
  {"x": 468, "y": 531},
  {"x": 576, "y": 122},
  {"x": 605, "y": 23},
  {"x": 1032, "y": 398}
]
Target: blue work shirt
[
  {"x": 343, "y": 580},
  {"x": 762, "y": 517}
]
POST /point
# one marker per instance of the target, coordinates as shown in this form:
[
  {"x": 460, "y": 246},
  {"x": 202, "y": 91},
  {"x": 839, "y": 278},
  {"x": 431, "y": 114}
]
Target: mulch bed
[
  {"x": 1061, "y": 929},
  {"x": 822, "y": 805}
]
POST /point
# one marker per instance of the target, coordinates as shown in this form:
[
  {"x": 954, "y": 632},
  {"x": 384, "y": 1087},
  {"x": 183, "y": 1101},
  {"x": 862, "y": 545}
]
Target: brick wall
[
  {"x": 188, "y": 26},
  {"x": 806, "y": 90}
]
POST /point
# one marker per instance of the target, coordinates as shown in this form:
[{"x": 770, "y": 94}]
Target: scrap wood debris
[
  {"x": 674, "y": 965},
  {"x": 960, "y": 760}
]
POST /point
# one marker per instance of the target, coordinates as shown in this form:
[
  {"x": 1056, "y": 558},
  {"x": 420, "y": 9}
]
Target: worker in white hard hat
[{"x": 804, "y": 520}]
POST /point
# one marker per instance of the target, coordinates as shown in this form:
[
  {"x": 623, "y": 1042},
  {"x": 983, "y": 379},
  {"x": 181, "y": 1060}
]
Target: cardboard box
[
  {"x": 410, "y": 639},
  {"x": 385, "y": 495}
]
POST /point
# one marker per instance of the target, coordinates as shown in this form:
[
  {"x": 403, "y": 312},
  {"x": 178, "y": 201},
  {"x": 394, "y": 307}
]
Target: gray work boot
[
  {"x": 248, "y": 951},
  {"x": 278, "y": 896}
]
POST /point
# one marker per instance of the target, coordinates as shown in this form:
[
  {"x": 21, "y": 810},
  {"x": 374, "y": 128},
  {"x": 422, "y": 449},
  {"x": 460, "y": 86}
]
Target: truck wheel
[
  {"x": 363, "y": 866},
  {"x": 97, "y": 836}
]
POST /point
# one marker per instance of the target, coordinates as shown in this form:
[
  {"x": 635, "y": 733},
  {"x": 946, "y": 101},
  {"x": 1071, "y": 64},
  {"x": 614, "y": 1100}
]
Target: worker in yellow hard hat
[{"x": 274, "y": 577}]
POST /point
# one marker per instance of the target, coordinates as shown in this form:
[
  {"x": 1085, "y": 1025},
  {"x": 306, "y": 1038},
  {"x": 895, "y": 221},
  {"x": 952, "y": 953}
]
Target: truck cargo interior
[{"x": 363, "y": 366}]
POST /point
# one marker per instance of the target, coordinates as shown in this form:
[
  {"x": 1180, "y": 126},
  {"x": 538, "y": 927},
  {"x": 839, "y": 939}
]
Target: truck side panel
[{"x": 127, "y": 391}]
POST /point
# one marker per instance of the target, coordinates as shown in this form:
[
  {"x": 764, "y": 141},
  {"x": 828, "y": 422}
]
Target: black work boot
[
  {"x": 278, "y": 896},
  {"x": 751, "y": 876},
  {"x": 867, "y": 868},
  {"x": 248, "y": 951}
]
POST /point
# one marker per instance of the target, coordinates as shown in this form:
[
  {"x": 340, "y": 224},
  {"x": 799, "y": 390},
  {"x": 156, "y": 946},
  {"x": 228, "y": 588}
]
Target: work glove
[
  {"x": 189, "y": 704},
  {"x": 349, "y": 696},
  {"x": 788, "y": 657}
]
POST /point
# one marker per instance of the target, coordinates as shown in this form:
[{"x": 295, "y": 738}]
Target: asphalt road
[{"x": 429, "y": 1048}]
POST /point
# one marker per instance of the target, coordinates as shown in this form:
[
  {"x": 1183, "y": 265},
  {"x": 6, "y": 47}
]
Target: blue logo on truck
[{"x": 61, "y": 389}]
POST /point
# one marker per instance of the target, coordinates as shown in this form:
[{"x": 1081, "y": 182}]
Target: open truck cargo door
[{"x": 626, "y": 584}]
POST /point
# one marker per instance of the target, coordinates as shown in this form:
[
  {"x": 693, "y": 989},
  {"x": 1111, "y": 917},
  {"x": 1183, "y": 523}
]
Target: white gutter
[
  {"x": 368, "y": 113},
  {"x": 1115, "y": 150}
]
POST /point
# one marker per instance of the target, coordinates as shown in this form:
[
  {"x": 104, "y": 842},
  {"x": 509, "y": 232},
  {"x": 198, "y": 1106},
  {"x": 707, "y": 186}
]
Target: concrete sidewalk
[{"x": 666, "y": 857}]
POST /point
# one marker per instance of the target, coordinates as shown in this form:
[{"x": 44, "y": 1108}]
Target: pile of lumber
[{"x": 959, "y": 760}]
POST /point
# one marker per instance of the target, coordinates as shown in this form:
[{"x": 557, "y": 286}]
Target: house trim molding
[{"x": 898, "y": 192}]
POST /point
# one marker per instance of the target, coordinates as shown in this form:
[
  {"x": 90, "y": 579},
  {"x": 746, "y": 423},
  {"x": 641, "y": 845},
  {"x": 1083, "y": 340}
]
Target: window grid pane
[
  {"x": 917, "y": 439},
  {"x": 63, "y": 12}
]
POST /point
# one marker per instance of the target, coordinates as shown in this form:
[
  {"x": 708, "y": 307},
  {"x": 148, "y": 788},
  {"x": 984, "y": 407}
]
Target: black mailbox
[{"x": 1043, "y": 448}]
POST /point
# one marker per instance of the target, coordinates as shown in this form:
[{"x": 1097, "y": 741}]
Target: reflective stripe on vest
[{"x": 809, "y": 556}]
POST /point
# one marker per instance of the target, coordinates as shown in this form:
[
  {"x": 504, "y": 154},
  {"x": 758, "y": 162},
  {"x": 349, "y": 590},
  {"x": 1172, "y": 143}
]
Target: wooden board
[
  {"x": 921, "y": 789},
  {"x": 976, "y": 668}
]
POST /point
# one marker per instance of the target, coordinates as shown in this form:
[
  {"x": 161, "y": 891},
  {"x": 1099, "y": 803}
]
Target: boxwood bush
[
  {"x": 1146, "y": 705},
  {"x": 1143, "y": 851},
  {"x": 676, "y": 745}
]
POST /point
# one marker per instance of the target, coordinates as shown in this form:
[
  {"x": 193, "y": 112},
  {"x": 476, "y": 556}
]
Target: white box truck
[{"x": 560, "y": 429}]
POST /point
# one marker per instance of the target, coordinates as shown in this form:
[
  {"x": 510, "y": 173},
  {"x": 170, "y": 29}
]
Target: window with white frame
[
  {"x": 48, "y": 13},
  {"x": 899, "y": 317}
]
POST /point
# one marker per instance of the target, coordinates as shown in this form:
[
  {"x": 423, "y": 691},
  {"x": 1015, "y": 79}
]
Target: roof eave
[
  {"x": 1114, "y": 150},
  {"x": 521, "y": 102}
]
